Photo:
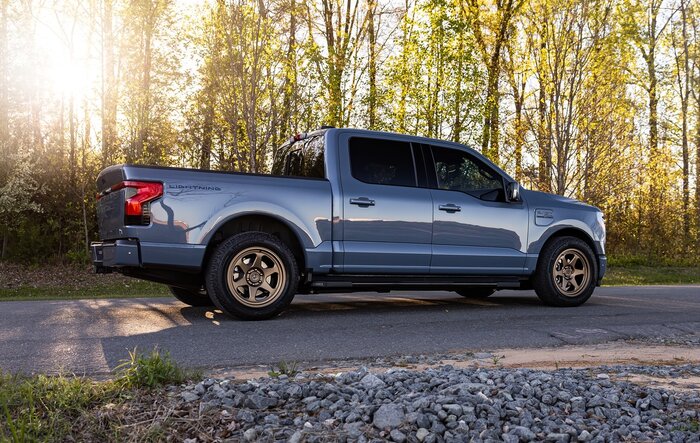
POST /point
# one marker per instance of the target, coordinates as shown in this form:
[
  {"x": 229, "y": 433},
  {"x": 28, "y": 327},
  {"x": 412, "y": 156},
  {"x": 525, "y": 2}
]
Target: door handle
[
  {"x": 451, "y": 208},
  {"x": 363, "y": 202}
]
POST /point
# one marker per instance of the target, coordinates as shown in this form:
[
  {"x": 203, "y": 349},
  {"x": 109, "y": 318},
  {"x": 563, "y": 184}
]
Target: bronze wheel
[{"x": 256, "y": 277}]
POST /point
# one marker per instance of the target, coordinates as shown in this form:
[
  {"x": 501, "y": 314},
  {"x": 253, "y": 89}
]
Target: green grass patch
[
  {"x": 48, "y": 408},
  {"x": 133, "y": 289},
  {"x": 635, "y": 275}
]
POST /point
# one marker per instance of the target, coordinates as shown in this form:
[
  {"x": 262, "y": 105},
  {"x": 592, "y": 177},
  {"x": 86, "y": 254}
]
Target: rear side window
[
  {"x": 304, "y": 158},
  {"x": 458, "y": 171},
  {"x": 382, "y": 162}
]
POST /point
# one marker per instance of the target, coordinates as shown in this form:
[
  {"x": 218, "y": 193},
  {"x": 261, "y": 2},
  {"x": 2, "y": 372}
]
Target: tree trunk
[
  {"x": 684, "y": 87},
  {"x": 543, "y": 141},
  {"x": 3, "y": 254},
  {"x": 145, "y": 97},
  {"x": 372, "y": 65},
  {"x": 290, "y": 79},
  {"x": 109, "y": 93},
  {"x": 4, "y": 82},
  {"x": 519, "y": 137}
]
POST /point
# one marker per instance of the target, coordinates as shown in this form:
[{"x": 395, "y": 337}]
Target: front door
[
  {"x": 475, "y": 230},
  {"x": 387, "y": 218}
]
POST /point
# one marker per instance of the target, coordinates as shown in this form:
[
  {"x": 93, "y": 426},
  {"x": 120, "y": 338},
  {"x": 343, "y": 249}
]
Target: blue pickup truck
[{"x": 346, "y": 210}]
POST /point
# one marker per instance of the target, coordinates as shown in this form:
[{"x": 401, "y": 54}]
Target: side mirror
[{"x": 513, "y": 192}]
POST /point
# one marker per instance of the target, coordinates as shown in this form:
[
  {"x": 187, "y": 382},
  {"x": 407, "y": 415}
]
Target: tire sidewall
[
  {"x": 216, "y": 278},
  {"x": 545, "y": 286}
]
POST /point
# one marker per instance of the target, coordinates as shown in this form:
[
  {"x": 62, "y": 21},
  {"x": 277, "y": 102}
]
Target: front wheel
[
  {"x": 192, "y": 298},
  {"x": 252, "y": 276},
  {"x": 566, "y": 272}
]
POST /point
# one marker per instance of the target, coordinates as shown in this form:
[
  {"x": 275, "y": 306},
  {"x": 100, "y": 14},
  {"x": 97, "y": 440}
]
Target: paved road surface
[{"x": 92, "y": 336}]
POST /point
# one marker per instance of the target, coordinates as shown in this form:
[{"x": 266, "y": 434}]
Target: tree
[
  {"x": 16, "y": 197},
  {"x": 680, "y": 42},
  {"x": 491, "y": 21},
  {"x": 342, "y": 29}
]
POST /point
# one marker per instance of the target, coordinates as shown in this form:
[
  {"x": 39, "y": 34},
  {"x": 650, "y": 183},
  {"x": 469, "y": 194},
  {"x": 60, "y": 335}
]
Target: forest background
[{"x": 597, "y": 100}]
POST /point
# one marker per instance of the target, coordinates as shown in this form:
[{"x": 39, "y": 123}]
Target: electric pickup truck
[{"x": 346, "y": 210}]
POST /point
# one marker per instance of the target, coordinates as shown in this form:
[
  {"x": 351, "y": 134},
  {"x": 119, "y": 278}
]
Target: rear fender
[{"x": 309, "y": 236}]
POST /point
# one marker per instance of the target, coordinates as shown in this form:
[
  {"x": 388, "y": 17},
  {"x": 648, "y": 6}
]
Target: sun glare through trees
[{"x": 592, "y": 99}]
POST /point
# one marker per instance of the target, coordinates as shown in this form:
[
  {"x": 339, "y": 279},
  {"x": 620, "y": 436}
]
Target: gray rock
[
  {"x": 388, "y": 416},
  {"x": 585, "y": 436},
  {"x": 188, "y": 396},
  {"x": 524, "y": 433},
  {"x": 259, "y": 402},
  {"x": 397, "y": 436},
  {"x": 421, "y": 434},
  {"x": 557, "y": 437},
  {"x": 296, "y": 437},
  {"x": 250, "y": 435},
  {"x": 452, "y": 408},
  {"x": 372, "y": 381}
]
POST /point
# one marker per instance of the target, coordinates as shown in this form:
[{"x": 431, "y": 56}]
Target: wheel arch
[
  {"x": 568, "y": 231},
  {"x": 257, "y": 222}
]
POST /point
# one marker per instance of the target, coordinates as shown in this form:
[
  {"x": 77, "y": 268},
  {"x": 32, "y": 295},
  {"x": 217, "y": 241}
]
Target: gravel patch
[
  {"x": 448, "y": 405},
  {"x": 689, "y": 340}
]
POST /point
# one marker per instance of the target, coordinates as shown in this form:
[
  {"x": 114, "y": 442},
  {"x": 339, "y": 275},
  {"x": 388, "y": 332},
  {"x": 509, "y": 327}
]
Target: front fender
[{"x": 541, "y": 236}]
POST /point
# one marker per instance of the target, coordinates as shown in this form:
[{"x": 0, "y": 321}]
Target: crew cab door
[
  {"x": 475, "y": 230},
  {"x": 386, "y": 218}
]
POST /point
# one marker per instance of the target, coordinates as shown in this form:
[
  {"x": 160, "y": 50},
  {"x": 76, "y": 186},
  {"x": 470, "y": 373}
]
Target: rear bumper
[{"x": 113, "y": 255}]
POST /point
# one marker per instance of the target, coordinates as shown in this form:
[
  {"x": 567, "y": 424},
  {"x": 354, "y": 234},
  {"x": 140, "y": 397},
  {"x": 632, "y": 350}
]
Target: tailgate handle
[{"x": 362, "y": 202}]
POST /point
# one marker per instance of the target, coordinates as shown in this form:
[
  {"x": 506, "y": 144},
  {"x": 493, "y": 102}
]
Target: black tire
[
  {"x": 552, "y": 280},
  {"x": 192, "y": 298},
  {"x": 240, "y": 292},
  {"x": 475, "y": 292}
]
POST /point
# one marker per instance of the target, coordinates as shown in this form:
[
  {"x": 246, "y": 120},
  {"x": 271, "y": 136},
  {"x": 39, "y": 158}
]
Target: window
[
  {"x": 382, "y": 162},
  {"x": 301, "y": 159},
  {"x": 458, "y": 171}
]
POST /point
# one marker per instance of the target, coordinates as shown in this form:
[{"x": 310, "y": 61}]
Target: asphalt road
[{"x": 93, "y": 336}]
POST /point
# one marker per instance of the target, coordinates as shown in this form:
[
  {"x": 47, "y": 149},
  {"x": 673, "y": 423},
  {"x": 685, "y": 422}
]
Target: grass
[
  {"x": 51, "y": 408},
  {"x": 629, "y": 275},
  {"x": 69, "y": 283},
  {"x": 283, "y": 368},
  {"x": 132, "y": 289}
]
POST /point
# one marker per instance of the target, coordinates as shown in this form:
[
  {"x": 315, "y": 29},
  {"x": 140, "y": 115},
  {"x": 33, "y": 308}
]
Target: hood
[{"x": 544, "y": 198}]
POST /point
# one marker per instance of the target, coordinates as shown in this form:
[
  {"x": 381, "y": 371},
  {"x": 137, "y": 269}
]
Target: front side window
[
  {"x": 458, "y": 171},
  {"x": 382, "y": 162}
]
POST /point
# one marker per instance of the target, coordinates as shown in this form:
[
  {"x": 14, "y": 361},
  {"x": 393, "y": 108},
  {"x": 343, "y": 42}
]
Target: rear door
[
  {"x": 387, "y": 218},
  {"x": 475, "y": 230}
]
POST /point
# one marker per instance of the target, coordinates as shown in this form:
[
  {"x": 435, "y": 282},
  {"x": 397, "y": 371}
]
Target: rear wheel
[
  {"x": 252, "y": 276},
  {"x": 566, "y": 272},
  {"x": 189, "y": 297},
  {"x": 476, "y": 292}
]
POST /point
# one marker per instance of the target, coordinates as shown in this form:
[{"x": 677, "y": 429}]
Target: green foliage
[
  {"x": 42, "y": 408},
  {"x": 149, "y": 370},
  {"x": 564, "y": 94},
  {"x": 651, "y": 275},
  {"x": 46, "y": 408},
  {"x": 284, "y": 368}
]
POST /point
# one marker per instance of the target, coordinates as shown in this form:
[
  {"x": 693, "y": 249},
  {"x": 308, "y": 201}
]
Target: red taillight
[{"x": 138, "y": 195}]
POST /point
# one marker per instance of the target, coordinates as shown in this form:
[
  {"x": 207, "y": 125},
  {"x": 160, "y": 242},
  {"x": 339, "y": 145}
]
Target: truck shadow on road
[{"x": 321, "y": 326}]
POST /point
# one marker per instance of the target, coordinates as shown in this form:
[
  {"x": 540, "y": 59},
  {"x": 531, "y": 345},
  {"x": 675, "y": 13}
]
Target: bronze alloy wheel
[
  {"x": 571, "y": 272},
  {"x": 256, "y": 277}
]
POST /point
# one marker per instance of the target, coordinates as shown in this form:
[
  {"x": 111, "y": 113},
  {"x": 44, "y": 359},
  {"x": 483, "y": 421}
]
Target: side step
[{"x": 424, "y": 282}]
